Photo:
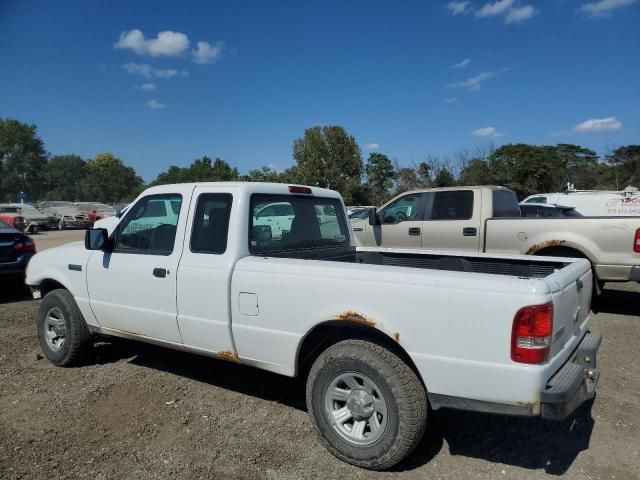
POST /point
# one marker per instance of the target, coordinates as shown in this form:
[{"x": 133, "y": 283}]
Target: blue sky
[{"x": 241, "y": 80}]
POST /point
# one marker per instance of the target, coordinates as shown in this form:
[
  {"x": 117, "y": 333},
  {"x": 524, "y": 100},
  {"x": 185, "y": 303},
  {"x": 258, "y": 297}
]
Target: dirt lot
[{"x": 144, "y": 412}]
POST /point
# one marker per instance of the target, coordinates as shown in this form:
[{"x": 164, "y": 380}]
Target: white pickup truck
[{"x": 377, "y": 333}]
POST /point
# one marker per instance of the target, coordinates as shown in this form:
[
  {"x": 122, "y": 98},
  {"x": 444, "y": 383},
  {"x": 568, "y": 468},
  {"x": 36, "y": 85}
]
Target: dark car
[
  {"x": 16, "y": 249},
  {"x": 543, "y": 210}
]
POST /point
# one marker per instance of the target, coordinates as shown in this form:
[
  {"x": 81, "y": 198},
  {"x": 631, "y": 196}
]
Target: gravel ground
[{"x": 144, "y": 412}]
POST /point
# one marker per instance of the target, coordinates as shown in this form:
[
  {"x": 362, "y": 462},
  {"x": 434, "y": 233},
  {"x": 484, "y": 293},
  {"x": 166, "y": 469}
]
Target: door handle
[
  {"x": 414, "y": 231},
  {"x": 469, "y": 231},
  {"x": 160, "y": 272}
]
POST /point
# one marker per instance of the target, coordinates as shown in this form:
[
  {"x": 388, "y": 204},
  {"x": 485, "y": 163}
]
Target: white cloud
[
  {"x": 462, "y": 63},
  {"x": 493, "y": 9},
  {"x": 167, "y": 43},
  {"x": 147, "y": 71},
  {"x": 512, "y": 11},
  {"x": 604, "y": 7},
  {"x": 147, "y": 87},
  {"x": 156, "y": 105},
  {"x": 450, "y": 100},
  {"x": 520, "y": 14},
  {"x": 474, "y": 83},
  {"x": 207, "y": 53},
  {"x": 371, "y": 146},
  {"x": 598, "y": 125},
  {"x": 457, "y": 7},
  {"x": 486, "y": 132}
]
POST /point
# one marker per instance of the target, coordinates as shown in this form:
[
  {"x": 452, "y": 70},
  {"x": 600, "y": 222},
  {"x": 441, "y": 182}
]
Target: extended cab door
[
  {"x": 452, "y": 220},
  {"x": 401, "y": 225},
  {"x": 133, "y": 288},
  {"x": 204, "y": 274}
]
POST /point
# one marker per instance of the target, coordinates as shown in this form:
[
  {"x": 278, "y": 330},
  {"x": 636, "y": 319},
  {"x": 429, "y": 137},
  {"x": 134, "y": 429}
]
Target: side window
[
  {"x": 452, "y": 205},
  {"x": 404, "y": 208},
  {"x": 537, "y": 200},
  {"x": 150, "y": 226},
  {"x": 211, "y": 223}
]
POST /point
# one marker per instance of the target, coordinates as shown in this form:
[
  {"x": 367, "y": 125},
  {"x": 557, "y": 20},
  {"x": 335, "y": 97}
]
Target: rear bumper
[
  {"x": 574, "y": 383},
  {"x": 617, "y": 273}
]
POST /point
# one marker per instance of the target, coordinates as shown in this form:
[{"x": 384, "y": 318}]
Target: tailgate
[{"x": 572, "y": 288}]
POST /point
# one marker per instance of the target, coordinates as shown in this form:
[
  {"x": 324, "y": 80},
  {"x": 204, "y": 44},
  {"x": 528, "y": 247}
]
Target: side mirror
[
  {"x": 96, "y": 239},
  {"x": 374, "y": 219}
]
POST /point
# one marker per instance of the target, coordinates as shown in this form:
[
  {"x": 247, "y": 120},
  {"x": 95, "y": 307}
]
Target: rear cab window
[
  {"x": 211, "y": 223},
  {"x": 505, "y": 204},
  {"x": 280, "y": 223}
]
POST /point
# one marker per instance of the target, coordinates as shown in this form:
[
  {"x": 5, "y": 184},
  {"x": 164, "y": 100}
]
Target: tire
[
  {"x": 62, "y": 331},
  {"x": 393, "y": 391}
]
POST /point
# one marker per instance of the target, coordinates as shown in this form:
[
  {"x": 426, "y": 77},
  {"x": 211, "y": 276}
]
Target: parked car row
[{"x": 50, "y": 215}]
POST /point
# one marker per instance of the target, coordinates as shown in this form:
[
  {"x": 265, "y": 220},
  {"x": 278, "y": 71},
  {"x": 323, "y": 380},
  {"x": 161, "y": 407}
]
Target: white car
[
  {"x": 594, "y": 203},
  {"x": 378, "y": 334}
]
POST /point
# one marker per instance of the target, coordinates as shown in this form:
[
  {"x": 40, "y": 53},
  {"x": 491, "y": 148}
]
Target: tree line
[{"x": 326, "y": 156}]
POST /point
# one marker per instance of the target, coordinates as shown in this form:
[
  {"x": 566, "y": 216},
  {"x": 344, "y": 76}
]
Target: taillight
[
  {"x": 531, "y": 334},
  {"x": 24, "y": 246},
  {"x": 636, "y": 242}
]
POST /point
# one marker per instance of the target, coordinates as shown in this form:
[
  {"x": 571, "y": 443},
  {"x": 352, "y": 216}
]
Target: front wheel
[
  {"x": 62, "y": 331},
  {"x": 368, "y": 405}
]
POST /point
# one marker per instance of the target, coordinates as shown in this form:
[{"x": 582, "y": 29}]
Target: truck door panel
[
  {"x": 133, "y": 288},
  {"x": 452, "y": 221},
  {"x": 204, "y": 274},
  {"x": 401, "y": 224}
]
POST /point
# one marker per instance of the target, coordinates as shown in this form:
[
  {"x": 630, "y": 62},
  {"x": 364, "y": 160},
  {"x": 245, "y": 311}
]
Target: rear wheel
[
  {"x": 369, "y": 407},
  {"x": 63, "y": 333}
]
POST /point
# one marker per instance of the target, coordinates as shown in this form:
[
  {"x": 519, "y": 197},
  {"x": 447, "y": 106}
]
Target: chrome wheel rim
[
  {"x": 356, "y": 409},
  {"x": 55, "y": 329}
]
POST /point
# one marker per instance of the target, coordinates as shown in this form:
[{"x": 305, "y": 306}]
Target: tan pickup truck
[{"x": 486, "y": 219}]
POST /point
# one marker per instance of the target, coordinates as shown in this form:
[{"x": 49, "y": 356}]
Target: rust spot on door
[
  {"x": 356, "y": 317},
  {"x": 535, "y": 248},
  {"x": 229, "y": 356},
  {"x": 396, "y": 337}
]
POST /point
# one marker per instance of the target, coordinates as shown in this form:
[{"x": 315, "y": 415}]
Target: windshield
[{"x": 285, "y": 222}]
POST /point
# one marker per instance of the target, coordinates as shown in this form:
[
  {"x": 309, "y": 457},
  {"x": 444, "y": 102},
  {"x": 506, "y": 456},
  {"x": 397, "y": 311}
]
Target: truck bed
[{"x": 533, "y": 267}]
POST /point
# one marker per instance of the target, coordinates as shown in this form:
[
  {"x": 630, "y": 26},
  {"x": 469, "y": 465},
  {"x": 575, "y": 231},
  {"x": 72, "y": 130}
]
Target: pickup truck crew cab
[
  {"x": 484, "y": 219},
  {"x": 376, "y": 333}
]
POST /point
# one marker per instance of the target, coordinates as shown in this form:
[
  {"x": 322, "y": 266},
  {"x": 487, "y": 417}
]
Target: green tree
[
  {"x": 424, "y": 174},
  {"x": 201, "y": 170},
  {"x": 577, "y": 165},
  {"x": 64, "y": 176},
  {"x": 626, "y": 162},
  {"x": 109, "y": 180},
  {"x": 406, "y": 179},
  {"x": 264, "y": 174},
  {"x": 444, "y": 178},
  {"x": 380, "y": 176},
  {"x": 329, "y": 157},
  {"x": 22, "y": 159},
  {"x": 476, "y": 172},
  {"x": 526, "y": 169}
]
